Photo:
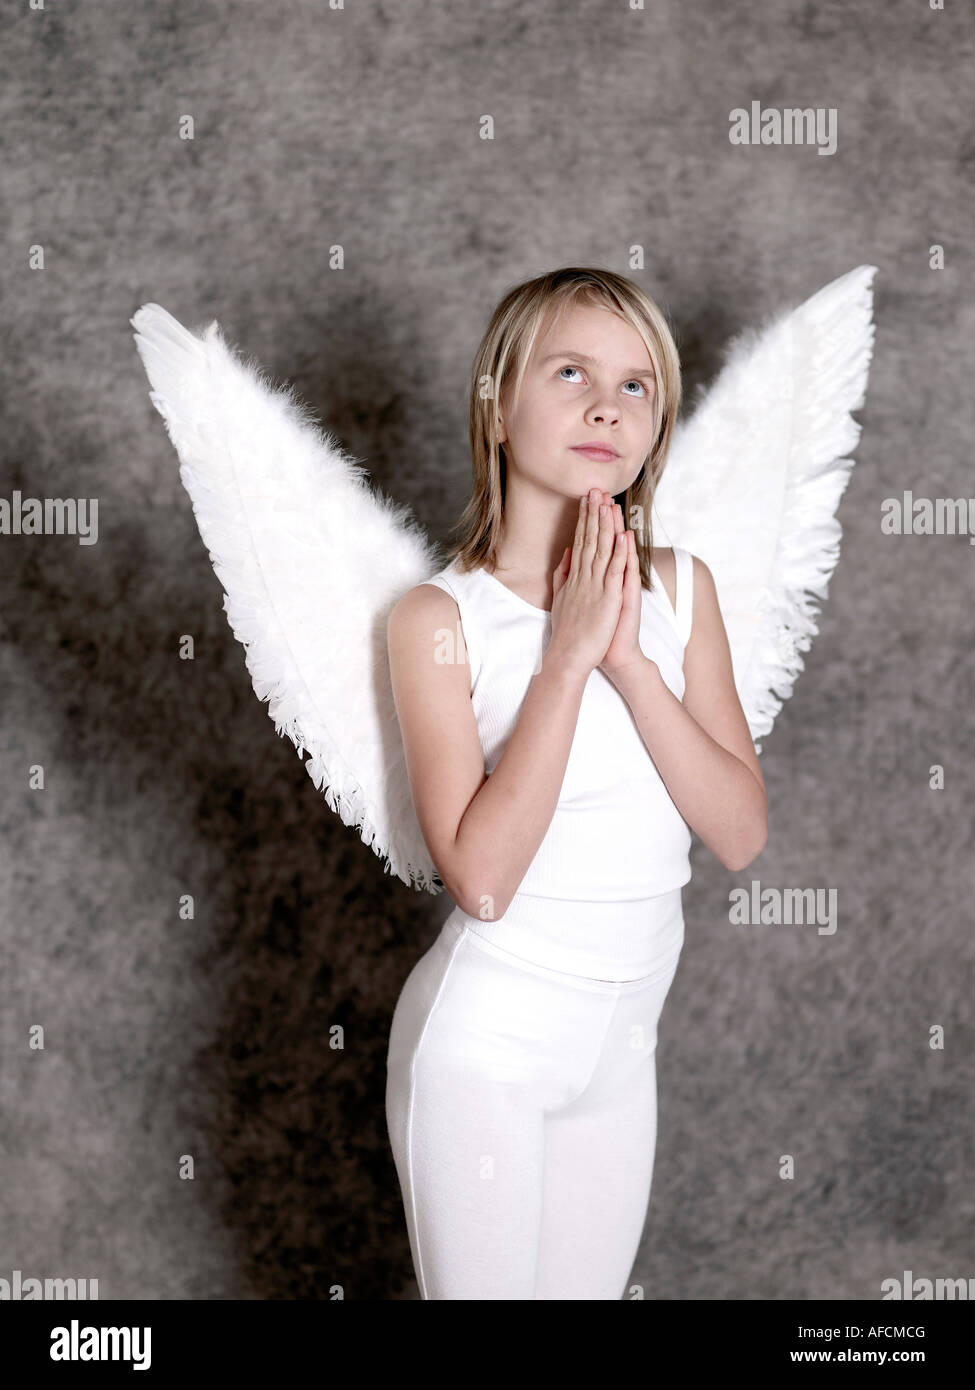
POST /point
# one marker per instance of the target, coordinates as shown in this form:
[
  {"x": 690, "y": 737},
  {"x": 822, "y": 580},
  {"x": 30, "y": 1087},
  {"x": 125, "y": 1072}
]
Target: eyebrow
[{"x": 591, "y": 362}]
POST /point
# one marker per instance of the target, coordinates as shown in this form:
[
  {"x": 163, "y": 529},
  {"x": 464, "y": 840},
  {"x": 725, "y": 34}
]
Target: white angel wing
[
  {"x": 311, "y": 561},
  {"x": 755, "y": 476}
]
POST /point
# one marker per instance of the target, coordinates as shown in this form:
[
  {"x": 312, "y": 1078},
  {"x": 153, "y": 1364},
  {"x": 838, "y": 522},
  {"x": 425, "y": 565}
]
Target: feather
[
  {"x": 311, "y": 560},
  {"x": 755, "y": 476}
]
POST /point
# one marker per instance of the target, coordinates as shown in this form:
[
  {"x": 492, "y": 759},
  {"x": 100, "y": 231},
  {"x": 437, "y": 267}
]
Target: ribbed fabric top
[{"x": 616, "y": 834}]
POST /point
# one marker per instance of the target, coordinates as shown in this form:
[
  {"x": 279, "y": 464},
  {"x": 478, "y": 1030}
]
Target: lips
[{"x": 596, "y": 453}]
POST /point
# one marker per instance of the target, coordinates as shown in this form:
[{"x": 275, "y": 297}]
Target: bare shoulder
[
  {"x": 666, "y": 566},
  {"x": 708, "y": 638},
  {"x": 665, "y": 563},
  {"x": 419, "y": 616},
  {"x": 423, "y": 598},
  {"x": 705, "y": 593}
]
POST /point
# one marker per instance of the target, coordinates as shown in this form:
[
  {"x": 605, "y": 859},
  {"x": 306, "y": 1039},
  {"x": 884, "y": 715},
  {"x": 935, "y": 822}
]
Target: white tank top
[{"x": 601, "y": 898}]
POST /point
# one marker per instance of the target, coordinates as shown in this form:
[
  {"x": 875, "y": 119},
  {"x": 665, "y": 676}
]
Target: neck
[{"x": 538, "y": 525}]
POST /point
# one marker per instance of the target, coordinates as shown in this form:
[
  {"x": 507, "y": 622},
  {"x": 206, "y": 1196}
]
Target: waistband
[{"x": 624, "y": 942}]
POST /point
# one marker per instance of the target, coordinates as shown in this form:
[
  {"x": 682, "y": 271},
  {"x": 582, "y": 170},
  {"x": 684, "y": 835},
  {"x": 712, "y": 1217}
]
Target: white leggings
[{"x": 521, "y": 1104}]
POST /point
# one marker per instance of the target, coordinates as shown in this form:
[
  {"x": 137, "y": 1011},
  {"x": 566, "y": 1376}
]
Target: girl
[{"x": 569, "y": 715}]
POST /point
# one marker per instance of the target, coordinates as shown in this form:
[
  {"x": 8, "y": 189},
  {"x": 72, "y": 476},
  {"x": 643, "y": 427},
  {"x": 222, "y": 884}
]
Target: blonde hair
[{"x": 501, "y": 361}]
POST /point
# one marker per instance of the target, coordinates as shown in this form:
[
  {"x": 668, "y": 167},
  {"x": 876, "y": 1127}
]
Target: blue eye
[{"x": 633, "y": 382}]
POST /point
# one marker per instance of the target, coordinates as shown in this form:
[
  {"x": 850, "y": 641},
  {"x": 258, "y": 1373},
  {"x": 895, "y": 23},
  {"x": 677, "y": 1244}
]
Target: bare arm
[
  {"x": 482, "y": 831},
  {"x": 702, "y": 746}
]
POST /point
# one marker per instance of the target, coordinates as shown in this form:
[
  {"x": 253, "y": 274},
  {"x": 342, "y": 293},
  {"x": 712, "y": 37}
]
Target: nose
[{"x": 603, "y": 413}]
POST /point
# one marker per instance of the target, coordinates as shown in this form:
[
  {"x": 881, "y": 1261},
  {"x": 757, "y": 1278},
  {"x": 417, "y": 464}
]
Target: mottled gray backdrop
[{"x": 209, "y": 1037}]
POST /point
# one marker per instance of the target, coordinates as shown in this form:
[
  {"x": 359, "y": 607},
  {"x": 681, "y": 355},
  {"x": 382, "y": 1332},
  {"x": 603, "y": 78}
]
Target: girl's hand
[
  {"x": 625, "y": 650},
  {"x": 587, "y": 589}
]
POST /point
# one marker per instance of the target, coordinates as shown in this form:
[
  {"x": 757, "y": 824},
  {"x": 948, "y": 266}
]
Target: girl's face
[{"x": 589, "y": 381}]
